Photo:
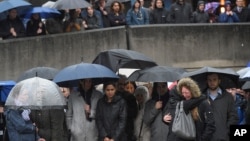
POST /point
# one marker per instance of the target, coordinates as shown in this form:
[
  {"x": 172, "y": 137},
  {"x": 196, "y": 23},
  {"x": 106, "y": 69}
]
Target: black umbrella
[
  {"x": 157, "y": 74},
  {"x": 122, "y": 58},
  {"x": 43, "y": 72},
  {"x": 229, "y": 78}
]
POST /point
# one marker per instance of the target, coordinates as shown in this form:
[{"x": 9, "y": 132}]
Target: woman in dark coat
[
  {"x": 195, "y": 103},
  {"x": 111, "y": 115},
  {"x": 35, "y": 26}
]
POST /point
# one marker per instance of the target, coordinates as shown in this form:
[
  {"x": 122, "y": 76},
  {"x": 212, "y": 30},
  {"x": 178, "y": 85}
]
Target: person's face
[
  {"x": 65, "y": 91},
  {"x": 121, "y": 83},
  {"x": 186, "y": 93},
  {"x": 142, "y": 2},
  {"x": 102, "y": 3},
  {"x": 239, "y": 3},
  {"x": 110, "y": 91},
  {"x": 35, "y": 16},
  {"x": 90, "y": 11},
  {"x": 86, "y": 84},
  {"x": 228, "y": 7},
  {"x": 129, "y": 88},
  {"x": 139, "y": 98},
  {"x": 137, "y": 4},
  {"x": 213, "y": 81},
  {"x": 181, "y": 1},
  {"x": 162, "y": 88},
  {"x": 201, "y": 7},
  {"x": 116, "y": 7},
  {"x": 159, "y": 4},
  {"x": 13, "y": 13}
]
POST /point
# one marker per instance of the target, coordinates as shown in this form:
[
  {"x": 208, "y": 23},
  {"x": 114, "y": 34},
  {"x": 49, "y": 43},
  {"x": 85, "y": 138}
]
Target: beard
[{"x": 213, "y": 88}]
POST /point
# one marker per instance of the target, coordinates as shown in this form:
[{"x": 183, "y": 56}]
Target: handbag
[{"x": 183, "y": 124}]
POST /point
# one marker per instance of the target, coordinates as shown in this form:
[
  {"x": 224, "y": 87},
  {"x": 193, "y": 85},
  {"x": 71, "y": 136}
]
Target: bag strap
[
  {"x": 181, "y": 106},
  {"x": 177, "y": 109}
]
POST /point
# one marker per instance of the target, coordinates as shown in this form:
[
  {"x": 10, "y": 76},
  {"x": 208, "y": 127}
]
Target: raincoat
[
  {"x": 81, "y": 128},
  {"x": 18, "y": 128}
]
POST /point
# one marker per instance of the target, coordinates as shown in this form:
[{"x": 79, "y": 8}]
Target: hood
[
  {"x": 133, "y": 3},
  {"x": 191, "y": 85}
]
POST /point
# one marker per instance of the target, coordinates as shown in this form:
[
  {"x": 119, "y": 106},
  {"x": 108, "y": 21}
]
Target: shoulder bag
[{"x": 183, "y": 124}]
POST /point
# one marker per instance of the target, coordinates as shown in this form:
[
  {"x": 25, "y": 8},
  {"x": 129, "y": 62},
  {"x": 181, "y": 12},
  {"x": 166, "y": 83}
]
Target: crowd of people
[
  {"x": 101, "y": 15},
  {"x": 127, "y": 111}
]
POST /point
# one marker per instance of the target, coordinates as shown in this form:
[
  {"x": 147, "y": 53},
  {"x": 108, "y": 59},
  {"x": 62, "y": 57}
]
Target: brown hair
[{"x": 191, "y": 85}]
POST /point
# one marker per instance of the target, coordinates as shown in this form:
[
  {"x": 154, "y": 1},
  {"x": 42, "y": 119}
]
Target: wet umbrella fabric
[
  {"x": 49, "y": 4},
  {"x": 5, "y": 88},
  {"x": 157, "y": 74},
  {"x": 43, "y": 72},
  {"x": 211, "y": 6},
  {"x": 70, "y": 76},
  {"x": 229, "y": 78},
  {"x": 244, "y": 74},
  {"x": 71, "y": 4},
  {"x": 36, "y": 93},
  {"x": 6, "y": 5},
  {"x": 20, "y": 5},
  {"x": 246, "y": 86},
  {"x": 122, "y": 58},
  {"x": 44, "y": 12}
]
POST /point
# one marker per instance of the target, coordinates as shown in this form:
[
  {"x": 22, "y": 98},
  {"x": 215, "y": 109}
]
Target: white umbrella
[
  {"x": 35, "y": 93},
  {"x": 49, "y": 4},
  {"x": 71, "y": 4}
]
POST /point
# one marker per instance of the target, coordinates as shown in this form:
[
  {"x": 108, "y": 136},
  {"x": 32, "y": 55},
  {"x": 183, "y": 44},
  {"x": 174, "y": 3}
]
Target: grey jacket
[
  {"x": 154, "y": 119},
  {"x": 82, "y": 129}
]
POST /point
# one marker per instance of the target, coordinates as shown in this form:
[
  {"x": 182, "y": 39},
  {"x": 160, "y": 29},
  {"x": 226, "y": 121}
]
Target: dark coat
[
  {"x": 200, "y": 17},
  {"x": 93, "y": 22},
  {"x": 18, "y": 128},
  {"x": 121, "y": 18},
  {"x": 153, "y": 117},
  {"x": 32, "y": 27},
  {"x": 244, "y": 15},
  {"x": 132, "y": 112},
  {"x": 105, "y": 19},
  {"x": 17, "y": 24},
  {"x": 224, "y": 114},
  {"x": 181, "y": 13},
  {"x": 50, "y": 124},
  {"x": 159, "y": 16},
  {"x": 111, "y": 118}
]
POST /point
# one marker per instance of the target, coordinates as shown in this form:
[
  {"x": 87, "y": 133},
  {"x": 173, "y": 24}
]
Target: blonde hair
[{"x": 191, "y": 85}]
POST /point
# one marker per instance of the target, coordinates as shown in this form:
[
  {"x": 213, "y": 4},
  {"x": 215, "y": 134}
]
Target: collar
[{"x": 219, "y": 91}]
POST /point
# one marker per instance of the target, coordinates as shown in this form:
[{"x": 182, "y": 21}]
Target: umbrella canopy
[
  {"x": 211, "y": 6},
  {"x": 71, "y": 4},
  {"x": 36, "y": 93},
  {"x": 244, "y": 74},
  {"x": 70, "y": 76},
  {"x": 157, "y": 74},
  {"x": 43, "y": 72},
  {"x": 49, "y": 4},
  {"x": 6, "y": 5},
  {"x": 5, "y": 88},
  {"x": 246, "y": 86},
  {"x": 229, "y": 78},
  {"x": 44, "y": 12},
  {"x": 122, "y": 58}
]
